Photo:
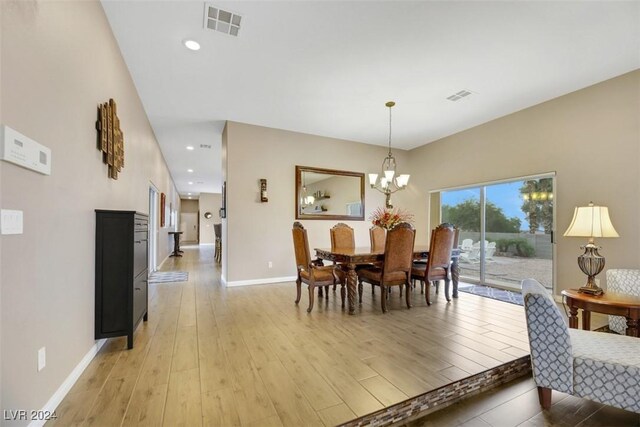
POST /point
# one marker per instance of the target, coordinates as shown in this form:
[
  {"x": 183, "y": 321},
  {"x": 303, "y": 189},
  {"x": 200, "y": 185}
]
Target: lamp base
[
  {"x": 591, "y": 263},
  {"x": 595, "y": 291}
]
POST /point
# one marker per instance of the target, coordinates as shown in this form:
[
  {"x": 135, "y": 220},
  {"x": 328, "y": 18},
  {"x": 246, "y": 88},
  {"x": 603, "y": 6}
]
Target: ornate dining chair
[
  {"x": 342, "y": 237},
  {"x": 439, "y": 261},
  {"x": 378, "y": 236},
  {"x": 309, "y": 273},
  {"x": 217, "y": 230},
  {"x": 396, "y": 269}
]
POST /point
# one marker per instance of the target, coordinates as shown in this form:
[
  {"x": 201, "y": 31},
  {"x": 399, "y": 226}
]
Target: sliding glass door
[{"x": 506, "y": 231}]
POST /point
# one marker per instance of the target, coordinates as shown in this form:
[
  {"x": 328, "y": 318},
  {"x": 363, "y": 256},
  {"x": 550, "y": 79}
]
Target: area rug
[
  {"x": 168, "y": 276},
  {"x": 493, "y": 293}
]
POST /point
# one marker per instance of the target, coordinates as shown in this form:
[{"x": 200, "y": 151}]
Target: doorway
[
  {"x": 153, "y": 229},
  {"x": 506, "y": 230},
  {"x": 189, "y": 225}
]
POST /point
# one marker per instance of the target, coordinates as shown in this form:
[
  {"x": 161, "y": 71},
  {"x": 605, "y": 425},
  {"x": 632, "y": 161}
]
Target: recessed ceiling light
[
  {"x": 190, "y": 183},
  {"x": 190, "y": 170},
  {"x": 190, "y": 147},
  {"x": 191, "y": 44},
  {"x": 188, "y": 194},
  {"x": 188, "y": 197}
]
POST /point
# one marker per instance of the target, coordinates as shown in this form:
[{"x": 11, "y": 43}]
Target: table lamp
[{"x": 591, "y": 221}]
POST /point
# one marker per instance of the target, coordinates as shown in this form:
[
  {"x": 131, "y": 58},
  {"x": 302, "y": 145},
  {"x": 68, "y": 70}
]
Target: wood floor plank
[
  {"x": 383, "y": 390},
  {"x": 111, "y": 404},
  {"x": 146, "y": 407},
  {"x": 335, "y": 415},
  {"x": 219, "y": 408},
  {"x": 184, "y": 401}
]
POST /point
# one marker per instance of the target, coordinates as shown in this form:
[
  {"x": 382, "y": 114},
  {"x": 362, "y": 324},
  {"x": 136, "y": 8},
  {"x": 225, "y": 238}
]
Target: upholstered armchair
[
  {"x": 622, "y": 281},
  {"x": 592, "y": 365}
]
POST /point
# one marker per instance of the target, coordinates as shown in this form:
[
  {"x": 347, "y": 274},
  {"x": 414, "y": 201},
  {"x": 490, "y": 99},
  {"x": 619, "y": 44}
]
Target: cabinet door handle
[
  {"x": 140, "y": 241},
  {"x": 138, "y": 289}
]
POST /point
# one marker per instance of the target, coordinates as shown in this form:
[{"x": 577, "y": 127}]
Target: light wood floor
[{"x": 249, "y": 356}]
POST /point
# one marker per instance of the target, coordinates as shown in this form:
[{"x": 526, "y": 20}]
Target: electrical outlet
[
  {"x": 270, "y": 264},
  {"x": 42, "y": 358}
]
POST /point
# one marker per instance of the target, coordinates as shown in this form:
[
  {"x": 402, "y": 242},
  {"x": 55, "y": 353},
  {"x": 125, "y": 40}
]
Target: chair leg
[
  {"x": 320, "y": 292},
  {"x": 373, "y": 290},
  {"x": 299, "y": 290},
  {"x": 422, "y": 287},
  {"x": 436, "y": 283},
  {"x": 446, "y": 289},
  {"x": 383, "y": 292},
  {"x": 427, "y": 293},
  {"x": 544, "y": 396},
  {"x": 400, "y": 290},
  {"x": 408, "y": 295},
  {"x": 334, "y": 288},
  {"x": 326, "y": 291},
  {"x": 311, "y": 296},
  {"x": 360, "y": 289},
  {"x": 343, "y": 294}
]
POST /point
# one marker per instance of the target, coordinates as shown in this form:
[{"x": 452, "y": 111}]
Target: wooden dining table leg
[
  {"x": 352, "y": 287},
  {"x": 573, "y": 316},
  {"x": 586, "y": 320}
]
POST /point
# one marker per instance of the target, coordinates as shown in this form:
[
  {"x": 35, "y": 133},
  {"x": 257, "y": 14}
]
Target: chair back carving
[
  {"x": 378, "y": 238},
  {"x": 442, "y": 240},
  {"x": 398, "y": 249},
  {"x": 342, "y": 237},
  {"x": 301, "y": 246}
]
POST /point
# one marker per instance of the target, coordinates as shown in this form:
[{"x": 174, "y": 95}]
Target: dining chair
[
  {"x": 396, "y": 269},
  {"x": 312, "y": 275},
  {"x": 378, "y": 237},
  {"x": 438, "y": 263},
  {"x": 217, "y": 230},
  {"x": 342, "y": 237}
]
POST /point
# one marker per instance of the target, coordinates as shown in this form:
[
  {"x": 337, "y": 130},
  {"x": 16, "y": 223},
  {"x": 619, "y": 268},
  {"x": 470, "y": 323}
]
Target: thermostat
[{"x": 23, "y": 151}]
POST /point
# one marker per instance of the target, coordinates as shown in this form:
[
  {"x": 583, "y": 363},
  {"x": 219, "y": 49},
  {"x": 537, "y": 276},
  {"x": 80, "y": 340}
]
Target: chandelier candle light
[
  {"x": 591, "y": 221},
  {"x": 388, "y": 183}
]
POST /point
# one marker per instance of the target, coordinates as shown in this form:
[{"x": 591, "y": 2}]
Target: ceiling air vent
[
  {"x": 221, "y": 20},
  {"x": 459, "y": 95},
  {"x": 205, "y": 146}
]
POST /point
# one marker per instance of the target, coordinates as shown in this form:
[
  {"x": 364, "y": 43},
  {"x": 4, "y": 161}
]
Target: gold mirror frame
[{"x": 303, "y": 216}]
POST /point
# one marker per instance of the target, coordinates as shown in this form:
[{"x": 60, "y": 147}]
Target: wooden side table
[{"x": 610, "y": 303}]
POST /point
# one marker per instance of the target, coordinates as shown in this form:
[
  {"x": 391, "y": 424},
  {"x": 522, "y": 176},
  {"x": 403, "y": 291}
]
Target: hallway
[{"x": 249, "y": 356}]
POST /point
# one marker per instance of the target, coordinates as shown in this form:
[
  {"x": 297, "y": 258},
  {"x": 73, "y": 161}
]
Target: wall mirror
[{"x": 329, "y": 194}]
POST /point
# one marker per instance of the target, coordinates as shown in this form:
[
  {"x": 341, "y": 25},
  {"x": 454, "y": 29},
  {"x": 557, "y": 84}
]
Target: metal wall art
[{"x": 110, "y": 138}]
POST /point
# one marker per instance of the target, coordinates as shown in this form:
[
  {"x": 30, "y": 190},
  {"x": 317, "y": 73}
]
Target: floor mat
[
  {"x": 168, "y": 276},
  {"x": 493, "y": 293}
]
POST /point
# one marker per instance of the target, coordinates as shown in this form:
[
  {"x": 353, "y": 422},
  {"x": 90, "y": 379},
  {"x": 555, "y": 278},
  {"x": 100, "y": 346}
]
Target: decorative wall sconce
[{"x": 263, "y": 191}]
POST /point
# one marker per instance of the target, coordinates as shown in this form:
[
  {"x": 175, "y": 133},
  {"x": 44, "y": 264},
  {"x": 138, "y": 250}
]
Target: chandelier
[{"x": 388, "y": 182}]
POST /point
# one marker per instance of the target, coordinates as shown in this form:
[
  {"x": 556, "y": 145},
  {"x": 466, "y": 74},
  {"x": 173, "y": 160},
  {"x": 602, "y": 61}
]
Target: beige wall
[
  {"x": 189, "y": 206},
  {"x": 209, "y": 202},
  {"x": 261, "y": 232},
  {"x": 59, "y": 60},
  {"x": 590, "y": 138}
]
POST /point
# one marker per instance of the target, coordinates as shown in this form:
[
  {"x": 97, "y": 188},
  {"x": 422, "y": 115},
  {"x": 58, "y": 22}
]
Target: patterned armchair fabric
[
  {"x": 622, "y": 281},
  {"x": 549, "y": 339},
  {"x": 594, "y": 365}
]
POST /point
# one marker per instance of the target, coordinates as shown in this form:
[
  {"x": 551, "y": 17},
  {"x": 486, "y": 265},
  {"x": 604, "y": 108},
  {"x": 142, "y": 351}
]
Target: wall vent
[
  {"x": 221, "y": 20},
  {"x": 205, "y": 146},
  {"x": 459, "y": 95}
]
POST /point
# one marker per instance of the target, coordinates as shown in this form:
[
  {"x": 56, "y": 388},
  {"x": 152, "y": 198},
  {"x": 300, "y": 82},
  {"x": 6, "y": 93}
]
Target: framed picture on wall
[
  {"x": 223, "y": 209},
  {"x": 162, "y": 208}
]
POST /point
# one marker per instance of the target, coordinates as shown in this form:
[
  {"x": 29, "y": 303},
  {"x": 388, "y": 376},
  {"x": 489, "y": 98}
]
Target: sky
[{"x": 505, "y": 196}]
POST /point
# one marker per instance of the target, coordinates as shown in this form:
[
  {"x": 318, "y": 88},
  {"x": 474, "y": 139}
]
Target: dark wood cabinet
[{"x": 121, "y": 273}]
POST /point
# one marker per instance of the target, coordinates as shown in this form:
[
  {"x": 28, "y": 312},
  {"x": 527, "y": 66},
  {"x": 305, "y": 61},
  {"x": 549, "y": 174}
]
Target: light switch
[{"x": 10, "y": 221}]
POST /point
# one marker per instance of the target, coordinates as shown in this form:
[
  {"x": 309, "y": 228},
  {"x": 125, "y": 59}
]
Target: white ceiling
[{"x": 327, "y": 68}]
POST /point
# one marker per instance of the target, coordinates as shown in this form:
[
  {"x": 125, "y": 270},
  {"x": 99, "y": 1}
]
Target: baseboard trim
[
  {"x": 66, "y": 385},
  {"x": 259, "y": 281},
  {"x": 163, "y": 261}
]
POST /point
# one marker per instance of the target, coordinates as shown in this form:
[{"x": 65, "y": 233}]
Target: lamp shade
[{"x": 591, "y": 221}]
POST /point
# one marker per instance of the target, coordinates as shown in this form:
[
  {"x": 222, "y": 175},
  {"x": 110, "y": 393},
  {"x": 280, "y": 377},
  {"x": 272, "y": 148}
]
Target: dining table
[{"x": 352, "y": 257}]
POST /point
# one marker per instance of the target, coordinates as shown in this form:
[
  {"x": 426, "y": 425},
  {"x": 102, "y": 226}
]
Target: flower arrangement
[{"x": 389, "y": 218}]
